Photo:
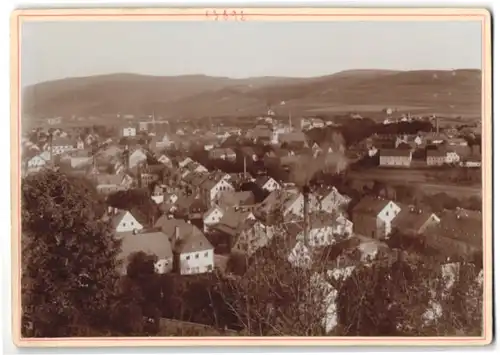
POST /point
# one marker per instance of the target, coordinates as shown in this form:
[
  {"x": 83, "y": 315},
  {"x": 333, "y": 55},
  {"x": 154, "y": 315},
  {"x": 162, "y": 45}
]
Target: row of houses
[
  {"x": 460, "y": 230},
  {"x": 434, "y": 157}
]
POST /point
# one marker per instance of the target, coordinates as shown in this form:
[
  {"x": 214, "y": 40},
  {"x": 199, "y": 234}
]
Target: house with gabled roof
[
  {"x": 38, "y": 161},
  {"x": 123, "y": 221},
  {"x": 212, "y": 217},
  {"x": 195, "y": 167},
  {"x": 152, "y": 242},
  {"x": 294, "y": 139},
  {"x": 110, "y": 183},
  {"x": 267, "y": 183},
  {"x": 128, "y": 131},
  {"x": 459, "y": 232},
  {"x": 90, "y": 139},
  {"x": 138, "y": 156},
  {"x": 436, "y": 157},
  {"x": 331, "y": 200},
  {"x": 373, "y": 217},
  {"x": 212, "y": 186},
  {"x": 222, "y": 154},
  {"x": 325, "y": 229},
  {"x": 396, "y": 157},
  {"x": 80, "y": 144},
  {"x": 62, "y": 145},
  {"x": 185, "y": 162},
  {"x": 191, "y": 206},
  {"x": 158, "y": 193},
  {"x": 165, "y": 160},
  {"x": 251, "y": 235},
  {"x": 413, "y": 220},
  {"x": 231, "y": 199},
  {"x": 192, "y": 252},
  {"x": 246, "y": 234},
  {"x": 161, "y": 141},
  {"x": 288, "y": 203}
]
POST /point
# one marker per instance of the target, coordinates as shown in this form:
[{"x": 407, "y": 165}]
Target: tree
[
  {"x": 411, "y": 296},
  {"x": 384, "y": 299},
  {"x": 463, "y": 314},
  {"x": 275, "y": 298},
  {"x": 69, "y": 267},
  {"x": 141, "y": 290}
]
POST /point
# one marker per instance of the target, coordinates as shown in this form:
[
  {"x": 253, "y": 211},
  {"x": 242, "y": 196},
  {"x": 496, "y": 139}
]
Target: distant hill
[{"x": 456, "y": 92}]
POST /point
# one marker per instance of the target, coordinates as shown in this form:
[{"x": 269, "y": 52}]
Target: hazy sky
[{"x": 54, "y": 50}]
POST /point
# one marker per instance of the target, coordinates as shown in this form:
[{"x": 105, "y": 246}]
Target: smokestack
[
  {"x": 437, "y": 125},
  {"x": 51, "y": 158},
  {"x": 126, "y": 156},
  {"x": 177, "y": 234},
  {"x": 245, "y": 166},
  {"x": 306, "y": 191}
]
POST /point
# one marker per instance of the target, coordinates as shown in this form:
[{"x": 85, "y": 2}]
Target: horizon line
[{"x": 249, "y": 77}]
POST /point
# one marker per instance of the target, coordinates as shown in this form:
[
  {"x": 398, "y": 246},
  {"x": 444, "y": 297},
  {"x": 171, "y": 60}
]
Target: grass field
[
  {"x": 341, "y": 108},
  {"x": 419, "y": 178}
]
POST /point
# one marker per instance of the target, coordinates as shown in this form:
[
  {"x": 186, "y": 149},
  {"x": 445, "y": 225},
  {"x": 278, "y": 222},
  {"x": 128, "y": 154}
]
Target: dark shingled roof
[
  {"x": 191, "y": 238},
  {"x": 370, "y": 205}
]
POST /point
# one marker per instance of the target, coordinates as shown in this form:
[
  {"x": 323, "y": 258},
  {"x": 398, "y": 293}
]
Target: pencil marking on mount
[{"x": 225, "y": 15}]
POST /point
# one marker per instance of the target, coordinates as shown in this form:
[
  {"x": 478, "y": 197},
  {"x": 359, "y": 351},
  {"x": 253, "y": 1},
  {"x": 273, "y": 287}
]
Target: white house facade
[
  {"x": 333, "y": 201},
  {"x": 165, "y": 160},
  {"x": 37, "y": 162},
  {"x": 212, "y": 217},
  {"x": 221, "y": 186},
  {"x": 452, "y": 158},
  {"x": 125, "y": 222},
  {"x": 386, "y": 216},
  {"x": 197, "y": 262},
  {"x": 129, "y": 132},
  {"x": 136, "y": 158}
]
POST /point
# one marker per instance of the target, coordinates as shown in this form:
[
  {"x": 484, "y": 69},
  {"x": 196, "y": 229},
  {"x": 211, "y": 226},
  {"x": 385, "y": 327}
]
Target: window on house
[
  {"x": 210, "y": 267},
  {"x": 206, "y": 254},
  {"x": 387, "y": 213},
  {"x": 188, "y": 257},
  {"x": 197, "y": 256},
  {"x": 124, "y": 224}
]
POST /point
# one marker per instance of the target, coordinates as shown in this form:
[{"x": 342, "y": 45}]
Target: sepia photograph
[{"x": 220, "y": 176}]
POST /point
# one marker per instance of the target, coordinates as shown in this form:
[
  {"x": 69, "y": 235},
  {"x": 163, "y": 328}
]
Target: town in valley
[{"x": 266, "y": 207}]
